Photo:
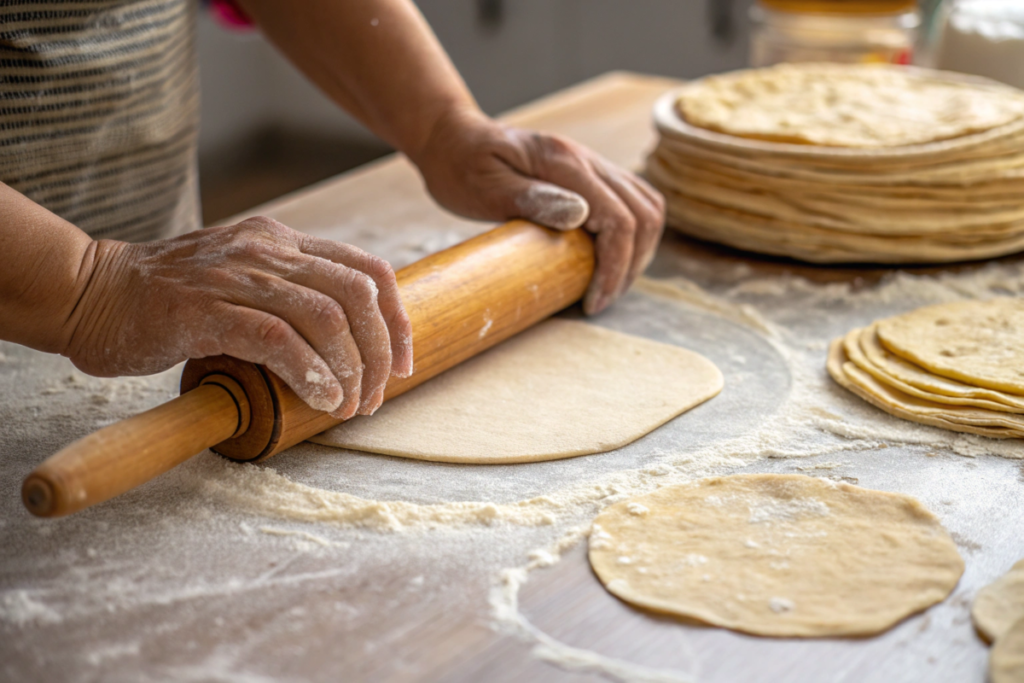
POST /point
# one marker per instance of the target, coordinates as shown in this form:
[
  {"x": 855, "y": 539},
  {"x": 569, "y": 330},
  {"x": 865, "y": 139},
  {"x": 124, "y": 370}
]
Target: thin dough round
[
  {"x": 776, "y": 555},
  {"x": 858, "y": 341},
  {"x": 560, "y": 389},
  {"x": 1006, "y": 661},
  {"x": 847, "y": 105},
  {"x": 1000, "y": 604},
  {"x": 895, "y": 402},
  {"x": 977, "y": 342},
  {"x": 900, "y": 369}
]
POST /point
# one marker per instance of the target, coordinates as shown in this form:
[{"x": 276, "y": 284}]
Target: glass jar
[{"x": 860, "y": 32}]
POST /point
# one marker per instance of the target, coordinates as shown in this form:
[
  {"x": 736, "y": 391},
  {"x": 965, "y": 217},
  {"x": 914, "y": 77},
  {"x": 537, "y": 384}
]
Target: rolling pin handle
[
  {"x": 37, "y": 494},
  {"x": 126, "y": 454}
]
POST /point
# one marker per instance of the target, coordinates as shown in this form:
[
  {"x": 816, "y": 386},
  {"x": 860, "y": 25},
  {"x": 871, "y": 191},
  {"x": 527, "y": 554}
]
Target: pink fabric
[{"x": 230, "y": 15}]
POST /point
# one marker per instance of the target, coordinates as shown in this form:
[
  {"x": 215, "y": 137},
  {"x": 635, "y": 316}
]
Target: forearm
[
  {"x": 376, "y": 58},
  {"x": 46, "y": 266}
]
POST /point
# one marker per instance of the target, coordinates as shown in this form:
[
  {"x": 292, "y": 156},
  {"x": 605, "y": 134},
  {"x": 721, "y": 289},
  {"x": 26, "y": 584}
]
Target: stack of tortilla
[
  {"x": 959, "y": 366},
  {"x": 834, "y": 163}
]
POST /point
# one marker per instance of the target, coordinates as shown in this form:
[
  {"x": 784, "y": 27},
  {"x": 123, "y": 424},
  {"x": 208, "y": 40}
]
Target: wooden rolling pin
[{"x": 462, "y": 301}]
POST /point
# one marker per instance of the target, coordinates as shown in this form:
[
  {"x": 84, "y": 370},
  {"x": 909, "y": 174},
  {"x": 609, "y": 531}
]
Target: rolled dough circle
[
  {"x": 977, "y": 342},
  {"x": 895, "y": 402},
  {"x": 1000, "y": 604},
  {"x": 776, "y": 555},
  {"x": 560, "y": 389},
  {"x": 902, "y": 370},
  {"x": 851, "y": 106},
  {"x": 1006, "y": 661}
]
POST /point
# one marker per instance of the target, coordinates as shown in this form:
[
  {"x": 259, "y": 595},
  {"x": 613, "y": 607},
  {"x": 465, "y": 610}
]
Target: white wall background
[{"x": 537, "y": 46}]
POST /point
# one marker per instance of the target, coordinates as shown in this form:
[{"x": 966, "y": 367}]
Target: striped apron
[{"x": 99, "y": 112}]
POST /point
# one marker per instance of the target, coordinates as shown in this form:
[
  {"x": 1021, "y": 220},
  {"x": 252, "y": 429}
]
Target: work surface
[{"x": 219, "y": 572}]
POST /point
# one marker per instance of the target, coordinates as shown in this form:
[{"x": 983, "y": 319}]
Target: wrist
[
  {"x": 95, "y": 309},
  {"x": 443, "y": 131}
]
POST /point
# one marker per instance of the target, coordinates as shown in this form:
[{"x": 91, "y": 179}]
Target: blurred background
[{"x": 266, "y": 131}]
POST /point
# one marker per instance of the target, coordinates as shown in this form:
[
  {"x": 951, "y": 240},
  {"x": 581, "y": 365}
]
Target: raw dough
[
  {"x": 856, "y": 345},
  {"x": 560, "y": 389},
  {"x": 848, "y": 105},
  {"x": 977, "y": 342},
  {"x": 776, "y": 555},
  {"x": 1006, "y": 661},
  {"x": 1000, "y": 604},
  {"x": 900, "y": 369},
  {"x": 902, "y": 405},
  {"x": 955, "y": 366}
]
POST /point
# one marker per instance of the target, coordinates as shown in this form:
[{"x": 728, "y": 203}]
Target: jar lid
[{"x": 841, "y": 6}]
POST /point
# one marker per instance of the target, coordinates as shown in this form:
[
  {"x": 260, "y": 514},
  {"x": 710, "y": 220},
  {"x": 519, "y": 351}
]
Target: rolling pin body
[{"x": 461, "y": 301}]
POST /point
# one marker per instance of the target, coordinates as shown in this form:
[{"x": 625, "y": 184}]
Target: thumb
[{"x": 551, "y": 205}]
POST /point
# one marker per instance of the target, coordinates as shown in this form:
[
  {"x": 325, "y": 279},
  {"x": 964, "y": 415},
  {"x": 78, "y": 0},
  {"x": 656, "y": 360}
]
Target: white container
[{"x": 985, "y": 38}]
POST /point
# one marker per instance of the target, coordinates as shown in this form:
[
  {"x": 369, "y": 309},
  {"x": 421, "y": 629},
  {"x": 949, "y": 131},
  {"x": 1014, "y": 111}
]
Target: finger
[
  {"x": 357, "y": 294},
  {"x": 323, "y": 324},
  {"x": 546, "y": 204},
  {"x": 259, "y": 337},
  {"x": 388, "y": 298},
  {"x": 561, "y": 162},
  {"x": 656, "y": 198},
  {"x": 646, "y": 214},
  {"x": 612, "y": 221},
  {"x": 614, "y": 248},
  {"x": 658, "y": 202}
]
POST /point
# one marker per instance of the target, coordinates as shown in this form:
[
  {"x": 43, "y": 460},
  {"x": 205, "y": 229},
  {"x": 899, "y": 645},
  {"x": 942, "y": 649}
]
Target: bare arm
[
  {"x": 379, "y": 60},
  {"x": 46, "y": 267}
]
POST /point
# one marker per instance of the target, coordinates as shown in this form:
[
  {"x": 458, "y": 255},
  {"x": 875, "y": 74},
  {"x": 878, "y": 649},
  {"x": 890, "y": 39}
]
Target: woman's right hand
[{"x": 326, "y": 317}]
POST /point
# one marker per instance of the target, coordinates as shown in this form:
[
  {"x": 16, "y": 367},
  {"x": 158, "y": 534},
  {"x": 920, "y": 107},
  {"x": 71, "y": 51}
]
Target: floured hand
[
  {"x": 479, "y": 168},
  {"x": 326, "y": 317}
]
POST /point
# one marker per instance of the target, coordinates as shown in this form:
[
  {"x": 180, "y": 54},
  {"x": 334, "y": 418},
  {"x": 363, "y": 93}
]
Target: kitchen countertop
[{"x": 182, "y": 580}]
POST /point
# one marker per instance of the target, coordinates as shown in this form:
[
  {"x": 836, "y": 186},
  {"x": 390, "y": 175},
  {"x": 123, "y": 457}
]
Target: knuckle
[
  {"x": 555, "y": 144},
  {"x": 626, "y": 225},
  {"x": 378, "y": 269},
  {"x": 650, "y": 225},
  {"x": 553, "y": 152},
  {"x": 658, "y": 200},
  {"x": 259, "y": 236},
  {"x": 360, "y": 284},
  {"x": 266, "y": 225},
  {"x": 272, "y": 331},
  {"x": 328, "y": 314}
]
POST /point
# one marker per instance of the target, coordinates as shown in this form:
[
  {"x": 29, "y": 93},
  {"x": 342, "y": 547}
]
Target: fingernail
[
  {"x": 344, "y": 412},
  {"x": 403, "y": 372},
  {"x": 322, "y": 404},
  {"x": 593, "y": 305},
  {"x": 370, "y": 406}
]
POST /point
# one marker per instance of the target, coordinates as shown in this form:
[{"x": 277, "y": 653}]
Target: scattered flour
[
  {"x": 786, "y": 510},
  {"x": 816, "y": 419},
  {"x": 301, "y": 535},
  {"x": 20, "y": 608},
  {"x": 781, "y": 605}
]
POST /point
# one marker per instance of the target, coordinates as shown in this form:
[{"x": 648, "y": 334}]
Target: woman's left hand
[{"x": 479, "y": 168}]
